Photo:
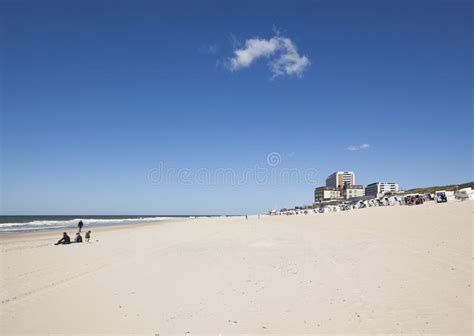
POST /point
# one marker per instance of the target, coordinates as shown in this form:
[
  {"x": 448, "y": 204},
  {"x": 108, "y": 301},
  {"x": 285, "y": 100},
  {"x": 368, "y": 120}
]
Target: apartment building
[
  {"x": 340, "y": 178},
  {"x": 351, "y": 191},
  {"x": 322, "y": 194},
  {"x": 378, "y": 189}
]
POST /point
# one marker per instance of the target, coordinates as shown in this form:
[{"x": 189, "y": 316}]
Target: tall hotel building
[{"x": 340, "y": 179}]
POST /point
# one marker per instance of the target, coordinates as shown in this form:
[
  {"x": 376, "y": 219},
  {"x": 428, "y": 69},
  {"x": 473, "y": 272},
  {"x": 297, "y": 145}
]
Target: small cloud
[
  {"x": 281, "y": 52},
  {"x": 234, "y": 41},
  {"x": 358, "y": 147},
  {"x": 211, "y": 49}
]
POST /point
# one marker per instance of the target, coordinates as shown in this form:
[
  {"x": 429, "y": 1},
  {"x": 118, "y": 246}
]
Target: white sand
[{"x": 380, "y": 270}]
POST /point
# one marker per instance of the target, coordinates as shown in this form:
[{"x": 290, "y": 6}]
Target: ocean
[{"x": 41, "y": 223}]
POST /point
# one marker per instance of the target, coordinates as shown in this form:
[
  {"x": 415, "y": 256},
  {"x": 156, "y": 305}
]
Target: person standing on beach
[{"x": 80, "y": 225}]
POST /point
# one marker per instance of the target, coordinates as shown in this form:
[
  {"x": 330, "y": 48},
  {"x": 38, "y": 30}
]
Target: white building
[
  {"x": 378, "y": 189},
  {"x": 351, "y": 191},
  {"x": 340, "y": 179},
  {"x": 326, "y": 194}
]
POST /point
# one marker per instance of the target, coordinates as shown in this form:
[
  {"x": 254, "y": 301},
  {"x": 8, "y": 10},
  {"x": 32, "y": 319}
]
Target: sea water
[{"x": 41, "y": 223}]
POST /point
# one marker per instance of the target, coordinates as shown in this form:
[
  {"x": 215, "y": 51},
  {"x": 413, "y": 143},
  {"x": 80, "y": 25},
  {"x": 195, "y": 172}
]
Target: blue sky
[{"x": 96, "y": 96}]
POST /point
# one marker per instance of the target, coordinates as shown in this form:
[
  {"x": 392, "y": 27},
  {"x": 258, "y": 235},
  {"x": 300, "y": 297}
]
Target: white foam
[{"x": 49, "y": 224}]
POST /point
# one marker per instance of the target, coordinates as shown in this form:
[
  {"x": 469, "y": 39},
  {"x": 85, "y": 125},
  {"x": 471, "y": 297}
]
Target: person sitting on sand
[
  {"x": 88, "y": 236},
  {"x": 64, "y": 240},
  {"x": 78, "y": 238}
]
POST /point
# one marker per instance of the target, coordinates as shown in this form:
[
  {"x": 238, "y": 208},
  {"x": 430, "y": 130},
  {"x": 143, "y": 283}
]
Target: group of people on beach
[{"x": 67, "y": 240}]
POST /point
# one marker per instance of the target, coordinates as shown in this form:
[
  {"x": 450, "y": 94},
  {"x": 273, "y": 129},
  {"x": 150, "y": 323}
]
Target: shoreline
[
  {"x": 91, "y": 221},
  {"x": 53, "y": 232},
  {"x": 6, "y": 236}
]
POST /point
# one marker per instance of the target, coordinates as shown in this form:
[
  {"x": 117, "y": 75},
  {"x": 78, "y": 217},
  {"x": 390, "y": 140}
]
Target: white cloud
[
  {"x": 358, "y": 147},
  {"x": 282, "y": 53}
]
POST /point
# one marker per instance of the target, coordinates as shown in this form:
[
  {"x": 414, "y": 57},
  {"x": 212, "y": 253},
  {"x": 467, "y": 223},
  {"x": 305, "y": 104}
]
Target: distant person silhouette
[
  {"x": 80, "y": 225},
  {"x": 64, "y": 240}
]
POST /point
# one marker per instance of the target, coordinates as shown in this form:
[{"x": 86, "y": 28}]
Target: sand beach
[{"x": 385, "y": 270}]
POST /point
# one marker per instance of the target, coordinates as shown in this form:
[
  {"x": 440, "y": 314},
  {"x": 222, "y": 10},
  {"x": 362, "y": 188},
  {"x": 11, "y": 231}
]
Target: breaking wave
[{"x": 49, "y": 224}]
